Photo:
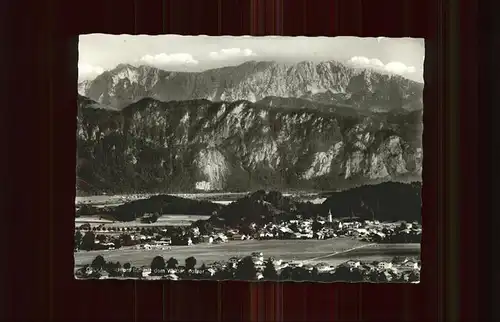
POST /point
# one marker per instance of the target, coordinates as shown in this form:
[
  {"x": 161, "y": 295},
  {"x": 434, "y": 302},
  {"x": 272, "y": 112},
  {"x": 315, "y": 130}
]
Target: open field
[
  {"x": 165, "y": 220},
  {"x": 379, "y": 252},
  {"x": 331, "y": 251},
  {"x": 120, "y": 199},
  {"x": 222, "y": 198}
]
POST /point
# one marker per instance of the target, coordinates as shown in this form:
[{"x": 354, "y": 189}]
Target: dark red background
[{"x": 40, "y": 125}]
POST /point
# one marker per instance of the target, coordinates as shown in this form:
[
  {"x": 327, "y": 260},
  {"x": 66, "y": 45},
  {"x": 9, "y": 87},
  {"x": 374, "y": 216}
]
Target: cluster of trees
[
  {"x": 386, "y": 201},
  {"x": 152, "y": 207},
  {"x": 114, "y": 269},
  {"x": 85, "y": 242},
  {"x": 245, "y": 270},
  {"x": 88, "y": 240}
]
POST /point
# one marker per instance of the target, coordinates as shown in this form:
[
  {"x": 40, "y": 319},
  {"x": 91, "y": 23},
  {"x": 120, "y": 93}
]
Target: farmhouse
[
  {"x": 161, "y": 243},
  {"x": 222, "y": 237},
  {"x": 384, "y": 265},
  {"x": 207, "y": 239},
  {"x": 277, "y": 262},
  {"x": 410, "y": 264},
  {"x": 166, "y": 239},
  {"x": 146, "y": 271},
  {"x": 352, "y": 263},
  {"x": 238, "y": 237},
  {"x": 295, "y": 264},
  {"x": 218, "y": 240},
  {"x": 323, "y": 267}
]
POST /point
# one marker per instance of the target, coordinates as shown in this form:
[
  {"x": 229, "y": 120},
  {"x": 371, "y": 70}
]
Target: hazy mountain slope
[
  {"x": 183, "y": 145},
  {"x": 327, "y": 82}
]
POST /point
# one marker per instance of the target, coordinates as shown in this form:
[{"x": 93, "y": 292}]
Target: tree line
[{"x": 245, "y": 270}]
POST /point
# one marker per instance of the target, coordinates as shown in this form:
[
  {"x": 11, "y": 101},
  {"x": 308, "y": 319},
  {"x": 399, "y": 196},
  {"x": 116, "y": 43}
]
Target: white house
[
  {"x": 146, "y": 272},
  {"x": 207, "y": 239},
  {"x": 410, "y": 264},
  {"x": 362, "y": 231},
  {"x": 238, "y": 237},
  {"x": 353, "y": 263},
  {"x": 323, "y": 267},
  {"x": 222, "y": 237},
  {"x": 296, "y": 264},
  {"x": 277, "y": 262},
  {"x": 384, "y": 265}
]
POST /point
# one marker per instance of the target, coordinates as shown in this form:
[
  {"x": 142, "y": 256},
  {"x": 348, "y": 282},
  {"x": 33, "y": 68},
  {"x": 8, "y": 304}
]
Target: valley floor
[{"x": 331, "y": 251}]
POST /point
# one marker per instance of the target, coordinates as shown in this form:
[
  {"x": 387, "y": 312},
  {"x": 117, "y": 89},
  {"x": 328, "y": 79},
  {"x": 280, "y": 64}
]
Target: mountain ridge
[
  {"x": 327, "y": 82},
  {"x": 155, "y": 146}
]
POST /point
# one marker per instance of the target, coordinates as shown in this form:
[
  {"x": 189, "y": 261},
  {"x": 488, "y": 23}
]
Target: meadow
[
  {"x": 330, "y": 251},
  {"x": 165, "y": 220}
]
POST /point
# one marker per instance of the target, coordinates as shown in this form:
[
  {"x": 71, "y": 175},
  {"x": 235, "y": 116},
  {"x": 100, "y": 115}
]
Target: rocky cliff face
[
  {"x": 241, "y": 145},
  {"x": 327, "y": 82}
]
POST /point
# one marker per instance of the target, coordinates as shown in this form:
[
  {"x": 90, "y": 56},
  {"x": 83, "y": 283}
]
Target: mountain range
[
  {"x": 276, "y": 142},
  {"x": 327, "y": 82}
]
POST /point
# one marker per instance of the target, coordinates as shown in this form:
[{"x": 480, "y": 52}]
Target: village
[
  {"x": 109, "y": 237},
  {"x": 255, "y": 267},
  {"x": 103, "y": 237}
]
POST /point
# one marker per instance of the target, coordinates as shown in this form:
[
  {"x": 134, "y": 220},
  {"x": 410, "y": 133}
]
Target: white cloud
[
  {"x": 169, "y": 59},
  {"x": 399, "y": 68},
  {"x": 392, "y": 67},
  {"x": 363, "y": 61},
  {"x": 229, "y": 53},
  {"x": 86, "y": 71}
]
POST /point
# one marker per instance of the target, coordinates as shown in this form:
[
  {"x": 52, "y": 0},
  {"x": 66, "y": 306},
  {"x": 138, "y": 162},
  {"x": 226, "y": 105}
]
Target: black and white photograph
[{"x": 249, "y": 158}]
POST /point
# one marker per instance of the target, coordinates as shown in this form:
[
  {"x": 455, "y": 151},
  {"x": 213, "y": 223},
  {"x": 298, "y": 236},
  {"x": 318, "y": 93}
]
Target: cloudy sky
[{"x": 99, "y": 52}]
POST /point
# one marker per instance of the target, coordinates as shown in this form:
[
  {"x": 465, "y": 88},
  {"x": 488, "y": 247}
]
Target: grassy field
[
  {"x": 165, "y": 220},
  {"x": 332, "y": 251},
  {"x": 379, "y": 252},
  {"x": 222, "y": 197},
  {"x": 119, "y": 199}
]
